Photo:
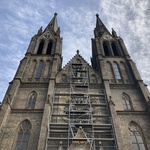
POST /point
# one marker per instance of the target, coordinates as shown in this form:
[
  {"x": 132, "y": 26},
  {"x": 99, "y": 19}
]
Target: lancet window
[
  {"x": 23, "y": 136},
  {"x": 39, "y": 69},
  {"x": 116, "y": 71},
  {"x": 136, "y": 137},
  {"x": 41, "y": 46},
  {"x": 32, "y": 100}
]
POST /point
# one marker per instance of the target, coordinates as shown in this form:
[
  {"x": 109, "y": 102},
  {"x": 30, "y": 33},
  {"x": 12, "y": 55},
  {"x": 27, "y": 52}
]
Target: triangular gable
[
  {"x": 106, "y": 36},
  {"x": 65, "y": 72},
  {"x": 76, "y": 59}
]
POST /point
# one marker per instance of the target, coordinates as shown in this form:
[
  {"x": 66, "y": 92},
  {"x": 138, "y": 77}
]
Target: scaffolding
[{"x": 81, "y": 121}]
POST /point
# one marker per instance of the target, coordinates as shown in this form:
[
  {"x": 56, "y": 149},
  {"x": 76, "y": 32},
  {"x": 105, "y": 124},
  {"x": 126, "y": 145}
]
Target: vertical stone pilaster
[
  {"x": 116, "y": 123},
  {"x": 44, "y": 127}
]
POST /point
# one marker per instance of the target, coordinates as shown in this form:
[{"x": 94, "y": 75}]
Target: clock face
[{"x": 107, "y": 37}]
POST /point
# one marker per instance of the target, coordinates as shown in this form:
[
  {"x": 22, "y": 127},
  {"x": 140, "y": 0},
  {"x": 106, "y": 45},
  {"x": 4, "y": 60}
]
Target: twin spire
[
  {"x": 53, "y": 25},
  {"x": 99, "y": 30}
]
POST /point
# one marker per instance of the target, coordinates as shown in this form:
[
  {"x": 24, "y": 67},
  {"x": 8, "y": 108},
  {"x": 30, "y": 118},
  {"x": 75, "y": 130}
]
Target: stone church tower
[{"x": 103, "y": 106}]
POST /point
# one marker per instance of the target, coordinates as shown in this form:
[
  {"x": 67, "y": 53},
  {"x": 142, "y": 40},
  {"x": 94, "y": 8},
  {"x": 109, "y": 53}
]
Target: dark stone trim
[
  {"x": 34, "y": 85},
  {"x": 131, "y": 112},
  {"x": 91, "y": 86},
  {"x": 27, "y": 111},
  {"x": 122, "y": 86}
]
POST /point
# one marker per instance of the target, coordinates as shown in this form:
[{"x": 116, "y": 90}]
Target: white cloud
[
  {"x": 131, "y": 20},
  {"x": 20, "y": 20}
]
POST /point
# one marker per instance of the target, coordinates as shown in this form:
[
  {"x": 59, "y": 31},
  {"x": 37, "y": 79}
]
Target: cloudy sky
[{"x": 21, "y": 19}]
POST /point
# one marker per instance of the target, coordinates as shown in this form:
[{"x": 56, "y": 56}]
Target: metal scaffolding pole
[{"x": 79, "y": 119}]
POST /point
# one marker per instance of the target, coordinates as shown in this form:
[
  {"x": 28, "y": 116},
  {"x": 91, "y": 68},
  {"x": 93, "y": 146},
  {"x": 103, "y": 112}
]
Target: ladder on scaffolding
[{"x": 80, "y": 110}]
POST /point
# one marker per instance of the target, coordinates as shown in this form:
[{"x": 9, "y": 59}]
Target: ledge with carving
[
  {"x": 27, "y": 110},
  {"x": 62, "y": 85},
  {"x": 91, "y": 86},
  {"x": 33, "y": 85},
  {"x": 131, "y": 112},
  {"x": 123, "y": 86}
]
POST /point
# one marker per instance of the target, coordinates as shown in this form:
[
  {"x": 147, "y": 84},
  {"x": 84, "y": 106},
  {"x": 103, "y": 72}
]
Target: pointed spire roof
[
  {"x": 100, "y": 27},
  {"x": 53, "y": 24}
]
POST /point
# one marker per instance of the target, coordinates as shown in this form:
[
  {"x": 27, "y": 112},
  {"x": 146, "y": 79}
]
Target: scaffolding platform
[{"x": 82, "y": 120}]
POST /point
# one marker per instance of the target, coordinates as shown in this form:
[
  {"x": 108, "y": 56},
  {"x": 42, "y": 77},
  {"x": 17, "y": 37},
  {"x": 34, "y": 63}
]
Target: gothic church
[{"x": 102, "y": 106}]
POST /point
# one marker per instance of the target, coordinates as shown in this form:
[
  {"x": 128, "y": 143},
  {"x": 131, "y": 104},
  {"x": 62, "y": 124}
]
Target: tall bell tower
[
  {"x": 126, "y": 93},
  {"x": 25, "y": 102}
]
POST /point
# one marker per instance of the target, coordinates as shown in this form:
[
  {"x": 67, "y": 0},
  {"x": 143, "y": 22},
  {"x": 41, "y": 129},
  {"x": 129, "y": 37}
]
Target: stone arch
[
  {"x": 106, "y": 48},
  {"x": 115, "y": 49},
  {"x": 23, "y": 135},
  {"x": 39, "y": 69},
  {"x": 117, "y": 71},
  {"x": 49, "y": 47},
  {"x": 40, "y": 47},
  {"x": 32, "y": 97},
  {"x": 136, "y": 136},
  {"x": 126, "y": 101}
]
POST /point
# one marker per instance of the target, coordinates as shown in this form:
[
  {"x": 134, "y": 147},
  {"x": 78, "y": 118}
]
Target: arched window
[
  {"x": 116, "y": 71},
  {"x": 40, "y": 49},
  {"x": 115, "y": 50},
  {"x": 64, "y": 78},
  {"x": 39, "y": 69},
  {"x": 23, "y": 136},
  {"x": 106, "y": 49},
  {"x": 49, "y": 47},
  {"x": 136, "y": 137},
  {"x": 32, "y": 100},
  {"x": 126, "y": 102}
]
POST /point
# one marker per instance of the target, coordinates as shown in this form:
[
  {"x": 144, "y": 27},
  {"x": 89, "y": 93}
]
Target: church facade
[{"x": 102, "y": 106}]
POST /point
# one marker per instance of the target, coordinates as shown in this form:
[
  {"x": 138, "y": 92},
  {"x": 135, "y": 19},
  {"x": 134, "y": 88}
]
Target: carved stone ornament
[
  {"x": 107, "y": 37},
  {"x": 111, "y": 101},
  {"x": 47, "y": 35},
  {"x": 133, "y": 127}
]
